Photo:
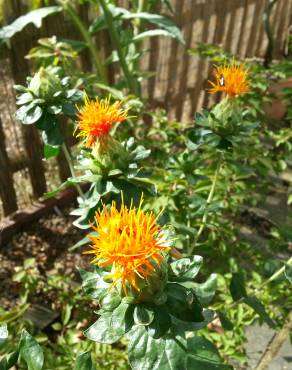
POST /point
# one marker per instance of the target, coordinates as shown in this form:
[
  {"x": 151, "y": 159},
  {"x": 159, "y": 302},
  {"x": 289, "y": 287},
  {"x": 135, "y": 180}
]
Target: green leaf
[
  {"x": 164, "y": 353},
  {"x": 51, "y": 151},
  {"x": 93, "y": 284},
  {"x": 57, "y": 326},
  {"x": 53, "y": 136},
  {"x": 140, "y": 153},
  {"x": 288, "y": 272},
  {"x": 98, "y": 24},
  {"x": 66, "y": 314},
  {"x": 159, "y": 20},
  {"x": 35, "y": 17},
  {"x": 143, "y": 315},
  {"x": 83, "y": 241},
  {"x": 24, "y": 98},
  {"x": 237, "y": 286},
  {"x": 259, "y": 308},
  {"x": 183, "y": 304},
  {"x": 13, "y": 314},
  {"x": 161, "y": 323},
  {"x": 206, "y": 290},
  {"x": 47, "y": 121},
  {"x": 29, "y": 114},
  {"x": 151, "y": 33},
  {"x": 182, "y": 325},
  {"x": 117, "y": 94},
  {"x": 55, "y": 109},
  {"x": 225, "y": 322},
  {"x": 30, "y": 351},
  {"x": 203, "y": 355},
  {"x": 20, "y": 88},
  {"x": 186, "y": 268},
  {"x": 9, "y": 360},
  {"x": 84, "y": 362},
  {"x": 3, "y": 333},
  {"x": 111, "y": 301},
  {"x": 110, "y": 327}
]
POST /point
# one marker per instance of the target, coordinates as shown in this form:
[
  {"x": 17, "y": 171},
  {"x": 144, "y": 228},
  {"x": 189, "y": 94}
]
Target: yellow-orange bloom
[
  {"x": 96, "y": 117},
  {"x": 230, "y": 79},
  {"x": 130, "y": 241}
]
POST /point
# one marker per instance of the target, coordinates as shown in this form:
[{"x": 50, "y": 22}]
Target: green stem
[
  {"x": 69, "y": 161},
  {"x": 277, "y": 273},
  {"x": 138, "y": 23},
  {"x": 209, "y": 200},
  {"x": 275, "y": 276},
  {"x": 87, "y": 38},
  {"x": 137, "y": 28},
  {"x": 116, "y": 42}
]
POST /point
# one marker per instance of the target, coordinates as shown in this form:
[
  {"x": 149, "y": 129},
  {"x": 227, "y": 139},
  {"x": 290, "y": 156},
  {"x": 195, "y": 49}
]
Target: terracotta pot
[{"x": 276, "y": 108}]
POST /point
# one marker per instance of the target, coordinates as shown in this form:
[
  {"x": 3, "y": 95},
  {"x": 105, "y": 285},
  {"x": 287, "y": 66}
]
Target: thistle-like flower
[
  {"x": 231, "y": 79},
  {"x": 96, "y": 117},
  {"x": 131, "y": 242}
]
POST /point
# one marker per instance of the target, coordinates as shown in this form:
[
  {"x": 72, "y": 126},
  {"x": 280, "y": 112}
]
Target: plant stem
[
  {"x": 267, "y": 26},
  {"x": 69, "y": 161},
  {"x": 278, "y": 273},
  {"x": 132, "y": 84},
  {"x": 87, "y": 38},
  {"x": 138, "y": 23},
  {"x": 209, "y": 200}
]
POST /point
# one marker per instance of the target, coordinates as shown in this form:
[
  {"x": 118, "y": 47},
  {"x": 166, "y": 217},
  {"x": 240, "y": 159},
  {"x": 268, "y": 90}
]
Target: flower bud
[
  {"x": 108, "y": 154},
  {"x": 45, "y": 84}
]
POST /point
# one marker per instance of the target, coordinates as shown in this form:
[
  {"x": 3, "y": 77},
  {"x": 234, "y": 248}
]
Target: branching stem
[
  {"x": 70, "y": 164},
  {"x": 209, "y": 200},
  {"x": 116, "y": 42},
  {"x": 87, "y": 38}
]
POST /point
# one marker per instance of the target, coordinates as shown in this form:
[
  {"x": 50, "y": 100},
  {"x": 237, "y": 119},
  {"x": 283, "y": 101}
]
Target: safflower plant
[
  {"x": 144, "y": 288},
  {"x": 47, "y": 95},
  {"x": 145, "y": 294},
  {"x": 149, "y": 214},
  {"x": 110, "y": 166}
]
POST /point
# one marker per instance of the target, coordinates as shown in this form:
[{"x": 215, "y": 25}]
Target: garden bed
[{"x": 47, "y": 240}]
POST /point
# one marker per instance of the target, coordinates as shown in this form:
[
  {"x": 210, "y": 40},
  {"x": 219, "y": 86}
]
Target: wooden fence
[{"x": 178, "y": 84}]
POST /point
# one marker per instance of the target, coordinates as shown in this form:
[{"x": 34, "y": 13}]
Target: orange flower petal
[
  {"x": 96, "y": 117},
  {"x": 130, "y": 241},
  {"x": 230, "y": 79}
]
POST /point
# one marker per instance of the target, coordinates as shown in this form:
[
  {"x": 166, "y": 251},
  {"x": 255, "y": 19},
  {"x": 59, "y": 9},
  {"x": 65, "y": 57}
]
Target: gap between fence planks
[{"x": 7, "y": 191}]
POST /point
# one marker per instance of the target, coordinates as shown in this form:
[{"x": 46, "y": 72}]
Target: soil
[{"x": 47, "y": 240}]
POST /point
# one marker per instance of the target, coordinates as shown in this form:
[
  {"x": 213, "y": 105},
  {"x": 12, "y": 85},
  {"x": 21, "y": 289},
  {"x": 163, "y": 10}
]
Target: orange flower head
[
  {"x": 130, "y": 241},
  {"x": 96, "y": 117},
  {"x": 230, "y": 79}
]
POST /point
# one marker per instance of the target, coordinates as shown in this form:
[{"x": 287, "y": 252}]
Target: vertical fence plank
[
  {"x": 196, "y": 90},
  {"x": 183, "y": 80},
  {"x": 243, "y": 28},
  {"x": 85, "y": 55},
  {"x": 31, "y": 139},
  {"x": 251, "y": 45},
  {"x": 214, "y": 23},
  {"x": 221, "y": 18},
  {"x": 173, "y": 60},
  {"x": 232, "y": 21},
  {"x": 280, "y": 34},
  {"x": 7, "y": 191},
  {"x": 152, "y": 67}
]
